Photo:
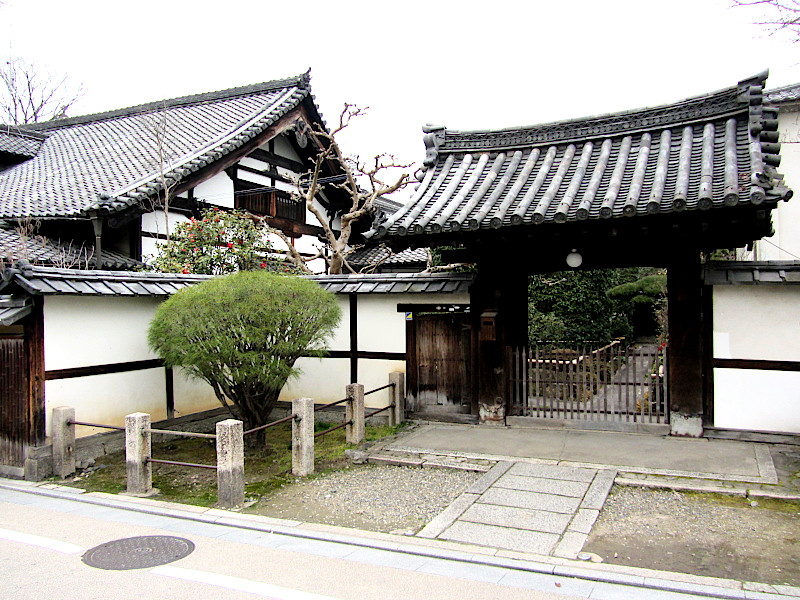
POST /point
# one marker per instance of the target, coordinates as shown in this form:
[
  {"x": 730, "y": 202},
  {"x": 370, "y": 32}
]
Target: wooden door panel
[
  {"x": 13, "y": 401},
  {"x": 442, "y": 363}
]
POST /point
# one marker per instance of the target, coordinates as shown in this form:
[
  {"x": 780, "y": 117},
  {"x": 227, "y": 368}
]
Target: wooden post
[
  {"x": 684, "y": 352},
  {"x": 398, "y": 414},
  {"x": 230, "y": 463},
  {"x": 354, "y": 413},
  {"x": 303, "y": 437},
  {"x": 137, "y": 455},
  {"x": 63, "y": 435}
]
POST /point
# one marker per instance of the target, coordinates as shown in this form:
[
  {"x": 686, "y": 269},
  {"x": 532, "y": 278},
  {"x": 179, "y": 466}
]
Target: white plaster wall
[
  {"x": 154, "y": 222},
  {"x": 757, "y": 400},
  {"x": 757, "y": 322},
  {"x": 786, "y": 217},
  {"x": 216, "y": 190},
  {"x": 283, "y": 147},
  {"x": 90, "y": 331},
  {"x": 82, "y": 331},
  {"x": 323, "y": 379},
  {"x": 255, "y": 178}
]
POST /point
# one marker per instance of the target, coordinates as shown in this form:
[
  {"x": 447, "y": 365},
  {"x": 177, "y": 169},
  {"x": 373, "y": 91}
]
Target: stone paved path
[{"x": 528, "y": 507}]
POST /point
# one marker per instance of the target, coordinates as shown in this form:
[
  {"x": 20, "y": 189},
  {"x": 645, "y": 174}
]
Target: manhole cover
[{"x": 138, "y": 552}]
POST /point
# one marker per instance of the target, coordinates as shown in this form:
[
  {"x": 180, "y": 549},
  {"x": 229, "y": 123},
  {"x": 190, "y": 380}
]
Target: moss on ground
[{"x": 267, "y": 466}]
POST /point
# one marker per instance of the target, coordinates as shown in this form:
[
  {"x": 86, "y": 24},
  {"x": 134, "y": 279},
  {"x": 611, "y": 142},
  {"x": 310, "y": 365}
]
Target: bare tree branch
[
  {"x": 28, "y": 94},
  {"x": 354, "y": 172},
  {"x": 781, "y": 15}
]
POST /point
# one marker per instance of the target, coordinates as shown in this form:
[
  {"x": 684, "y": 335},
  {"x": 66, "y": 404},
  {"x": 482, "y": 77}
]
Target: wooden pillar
[
  {"x": 498, "y": 304},
  {"x": 684, "y": 355}
]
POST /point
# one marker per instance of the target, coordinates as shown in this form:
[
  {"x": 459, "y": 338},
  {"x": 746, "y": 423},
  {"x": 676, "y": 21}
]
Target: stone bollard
[
  {"x": 303, "y": 437},
  {"x": 354, "y": 411},
  {"x": 63, "y": 435},
  {"x": 137, "y": 454},
  {"x": 398, "y": 414},
  {"x": 230, "y": 463}
]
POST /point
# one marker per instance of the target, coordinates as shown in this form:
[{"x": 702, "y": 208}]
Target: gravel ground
[
  {"x": 703, "y": 534},
  {"x": 371, "y": 497}
]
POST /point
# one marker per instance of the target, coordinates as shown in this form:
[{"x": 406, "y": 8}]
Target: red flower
[
  {"x": 185, "y": 271},
  {"x": 215, "y": 208},
  {"x": 230, "y": 244},
  {"x": 263, "y": 265}
]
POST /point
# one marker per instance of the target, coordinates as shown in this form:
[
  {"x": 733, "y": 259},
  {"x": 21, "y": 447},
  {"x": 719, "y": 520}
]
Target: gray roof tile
[
  {"x": 20, "y": 142},
  {"x": 395, "y": 283},
  {"x": 37, "y": 249},
  {"x": 105, "y": 162},
  {"x": 692, "y": 155},
  {"x": 36, "y": 279},
  {"x": 752, "y": 272}
]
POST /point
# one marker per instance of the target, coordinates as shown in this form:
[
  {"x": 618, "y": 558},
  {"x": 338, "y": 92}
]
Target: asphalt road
[{"x": 43, "y": 536}]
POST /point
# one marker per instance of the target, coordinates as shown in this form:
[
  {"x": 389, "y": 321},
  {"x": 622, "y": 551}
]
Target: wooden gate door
[
  {"x": 440, "y": 377},
  {"x": 13, "y": 400}
]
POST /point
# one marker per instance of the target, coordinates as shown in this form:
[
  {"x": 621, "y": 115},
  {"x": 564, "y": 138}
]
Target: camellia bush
[
  {"x": 217, "y": 243},
  {"x": 243, "y": 333}
]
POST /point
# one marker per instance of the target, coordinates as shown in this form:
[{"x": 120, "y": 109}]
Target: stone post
[
  {"x": 398, "y": 414},
  {"x": 354, "y": 411},
  {"x": 303, "y": 437},
  {"x": 230, "y": 463},
  {"x": 63, "y": 436},
  {"x": 137, "y": 454}
]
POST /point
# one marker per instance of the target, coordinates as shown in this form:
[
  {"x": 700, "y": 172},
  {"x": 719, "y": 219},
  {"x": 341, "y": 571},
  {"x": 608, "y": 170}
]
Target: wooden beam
[{"x": 278, "y": 160}]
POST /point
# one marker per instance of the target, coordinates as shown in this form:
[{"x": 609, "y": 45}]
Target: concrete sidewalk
[{"x": 717, "y": 460}]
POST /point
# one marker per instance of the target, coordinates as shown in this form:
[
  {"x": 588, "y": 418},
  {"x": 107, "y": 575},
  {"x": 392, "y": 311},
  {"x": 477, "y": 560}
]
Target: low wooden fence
[
  {"x": 229, "y": 439},
  {"x": 614, "y": 382}
]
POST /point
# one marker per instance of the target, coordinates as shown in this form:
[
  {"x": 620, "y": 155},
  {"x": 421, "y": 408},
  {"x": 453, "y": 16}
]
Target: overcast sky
[{"x": 465, "y": 65}]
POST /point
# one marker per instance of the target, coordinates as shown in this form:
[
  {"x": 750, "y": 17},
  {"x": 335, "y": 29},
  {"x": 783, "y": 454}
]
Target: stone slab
[
  {"x": 518, "y": 518},
  {"x": 598, "y": 491},
  {"x": 501, "y": 537},
  {"x": 492, "y": 475},
  {"x": 445, "y": 518},
  {"x": 532, "y": 500},
  {"x": 570, "y": 545},
  {"x": 396, "y": 461},
  {"x": 583, "y": 521},
  {"x": 552, "y": 472},
  {"x": 576, "y": 489}
]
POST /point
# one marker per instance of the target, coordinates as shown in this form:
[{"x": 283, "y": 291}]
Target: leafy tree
[
  {"x": 574, "y": 305},
  {"x": 217, "y": 243},
  {"x": 243, "y": 333}
]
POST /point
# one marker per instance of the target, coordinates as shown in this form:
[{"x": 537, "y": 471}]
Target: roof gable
[
  {"x": 106, "y": 162},
  {"x": 716, "y": 150}
]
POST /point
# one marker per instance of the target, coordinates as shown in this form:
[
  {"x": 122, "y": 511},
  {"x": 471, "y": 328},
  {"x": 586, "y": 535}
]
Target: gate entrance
[
  {"x": 614, "y": 383},
  {"x": 439, "y": 380}
]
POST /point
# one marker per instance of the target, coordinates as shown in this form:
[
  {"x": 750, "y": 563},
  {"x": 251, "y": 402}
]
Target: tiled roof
[
  {"x": 787, "y": 93},
  {"x": 106, "y": 162},
  {"x": 381, "y": 255},
  {"x": 46, "y": 281},
  {"x": 752, "y": 272},
  {"x": 38, "y": 280},
  {"x": 17, "y": 141},
  {"x": 13, "y": 308},
  {"x": 43, "y": 251},
  {"x": 396, "y": 283},
  {"x": 698, "y": 154}
]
